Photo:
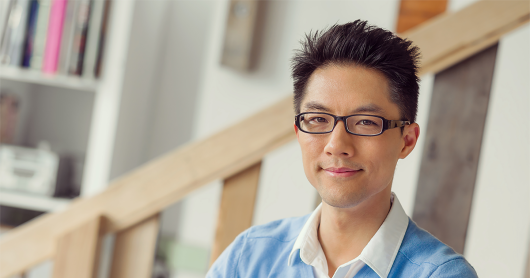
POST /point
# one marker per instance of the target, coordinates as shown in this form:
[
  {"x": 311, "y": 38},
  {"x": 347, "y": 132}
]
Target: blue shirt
[{"x": 263, "y": 251}]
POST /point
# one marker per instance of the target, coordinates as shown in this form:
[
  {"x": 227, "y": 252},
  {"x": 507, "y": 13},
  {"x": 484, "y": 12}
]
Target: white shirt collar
[{"x": 380, "y": 252}]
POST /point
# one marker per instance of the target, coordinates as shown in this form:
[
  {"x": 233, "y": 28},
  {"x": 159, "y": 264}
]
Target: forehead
[{"x": 348, "y": 89}]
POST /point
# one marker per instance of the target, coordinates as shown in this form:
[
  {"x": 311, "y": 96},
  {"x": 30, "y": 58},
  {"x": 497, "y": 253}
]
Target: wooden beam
[
  {"x": 452, "y": 148},
  {"x": 134, "y": 250},
  {"x": 237, "y": 208},
  {"x": 77, "y": 252},
  {"x": 453, "y": 37},
  {"x": 415, "y": 12}
]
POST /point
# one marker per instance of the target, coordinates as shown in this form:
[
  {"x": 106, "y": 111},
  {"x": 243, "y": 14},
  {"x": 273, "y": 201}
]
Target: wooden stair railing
[
  {"x": 134, "y": 249},
  {"x": 148, "y": 190},
  {"x": 236, "y": 209},
  {"x": 131, "y": 204},
  {"x": 77, "y": 251}
]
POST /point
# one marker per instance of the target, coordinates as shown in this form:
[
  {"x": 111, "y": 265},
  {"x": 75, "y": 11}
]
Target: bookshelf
[
  {"x": 87, "y": 128},
  {"x": 40, "y": 78},
  {"x": 32, "y": 202}
]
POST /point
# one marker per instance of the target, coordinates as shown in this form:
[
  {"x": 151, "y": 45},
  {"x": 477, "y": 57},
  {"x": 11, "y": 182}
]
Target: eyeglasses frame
[{"x": 387, "y": 124}]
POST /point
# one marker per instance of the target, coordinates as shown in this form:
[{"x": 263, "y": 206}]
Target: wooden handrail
[
  {"x": 146, "y": 191},
  {"x": 149, "y": 189},
  {"x": 451, "y": 37}
]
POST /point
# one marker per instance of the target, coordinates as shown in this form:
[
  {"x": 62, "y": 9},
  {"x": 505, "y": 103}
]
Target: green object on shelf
[{"x": 181, "y": 256}]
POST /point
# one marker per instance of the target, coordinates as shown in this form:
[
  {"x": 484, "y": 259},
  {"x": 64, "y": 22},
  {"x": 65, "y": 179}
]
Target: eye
[
  {"x": 318, "y": 120},
  {"x": 366, "y": 122}
]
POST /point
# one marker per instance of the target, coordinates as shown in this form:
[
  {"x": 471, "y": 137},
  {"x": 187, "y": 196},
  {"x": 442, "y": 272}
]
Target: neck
[{"x": 344, "y": 232}]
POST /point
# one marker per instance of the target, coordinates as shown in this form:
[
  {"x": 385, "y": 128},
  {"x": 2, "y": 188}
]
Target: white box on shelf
[{"x": 28, "y": 170}]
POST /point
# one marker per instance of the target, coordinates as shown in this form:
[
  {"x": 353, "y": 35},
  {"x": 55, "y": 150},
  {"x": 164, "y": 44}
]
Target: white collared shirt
[{"x": 379, "y": 253}]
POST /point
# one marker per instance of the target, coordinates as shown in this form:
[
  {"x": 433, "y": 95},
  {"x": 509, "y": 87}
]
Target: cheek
[
  {"x": 311, "y": 150},
  {"x": 383, "y": 154},
  {"x": 310, "y": 146}
]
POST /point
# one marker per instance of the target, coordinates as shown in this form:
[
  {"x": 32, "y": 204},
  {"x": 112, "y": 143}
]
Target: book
[
  {"x": 92, "y": 42},
  {"x": 30, "y": 33},
  {"x": 41, "y": 31},
  {"x": 4, "y": 13},
  {"x": 102, "y": 36},
  {"x": 75, "y": 64},
  {"x": 67, "y": 38},
  {"x": 53, "y": 40},
  {"x": 6, "y": 36},
  {"x": 12, "y": 54}
]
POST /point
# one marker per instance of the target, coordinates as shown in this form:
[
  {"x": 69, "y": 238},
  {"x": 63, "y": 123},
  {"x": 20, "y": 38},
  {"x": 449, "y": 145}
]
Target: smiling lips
[{"x": 341, "y": 172}]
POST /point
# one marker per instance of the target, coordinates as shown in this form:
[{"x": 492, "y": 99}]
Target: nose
[{"x": 339, "y": 142}]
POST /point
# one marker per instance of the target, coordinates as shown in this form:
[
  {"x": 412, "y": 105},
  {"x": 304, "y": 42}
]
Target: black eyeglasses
[{"x": 358, "y": 124}]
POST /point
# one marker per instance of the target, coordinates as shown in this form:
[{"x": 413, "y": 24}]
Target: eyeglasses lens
[
  {"x": 365, "y": 125},
  {"x": 358, "y": 124}
]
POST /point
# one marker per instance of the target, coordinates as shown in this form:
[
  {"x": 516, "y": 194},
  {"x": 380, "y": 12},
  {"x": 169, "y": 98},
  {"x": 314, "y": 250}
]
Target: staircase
[{"x": 131, "y": 204}]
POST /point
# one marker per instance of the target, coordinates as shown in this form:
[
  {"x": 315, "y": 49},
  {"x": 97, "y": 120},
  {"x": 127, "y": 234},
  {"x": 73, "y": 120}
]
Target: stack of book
[{"x": 54, "y": 36}]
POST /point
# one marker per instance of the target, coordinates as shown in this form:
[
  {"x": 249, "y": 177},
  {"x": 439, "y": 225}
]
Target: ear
[
  {"x": 410, "y": 138},
  {"x": 295, "y": 130}
]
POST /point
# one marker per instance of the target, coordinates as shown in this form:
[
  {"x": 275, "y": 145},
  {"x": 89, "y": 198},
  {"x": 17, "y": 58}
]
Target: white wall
[
  {"x": 148, "y": 30},
  {"x": 180, "y": 77},
  {"x": 164, "y": 71},
  {"x": 182, "y": 58}
]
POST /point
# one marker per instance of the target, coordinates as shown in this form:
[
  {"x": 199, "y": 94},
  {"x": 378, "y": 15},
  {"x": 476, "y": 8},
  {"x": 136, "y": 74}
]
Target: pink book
[{"x": 53, "y": 41}]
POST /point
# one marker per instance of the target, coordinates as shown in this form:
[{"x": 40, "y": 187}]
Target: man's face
[{"x": 347, "y": 169}]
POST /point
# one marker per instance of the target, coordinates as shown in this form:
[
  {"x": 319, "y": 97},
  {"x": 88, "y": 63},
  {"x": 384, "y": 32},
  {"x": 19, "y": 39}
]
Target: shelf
[
  {"x": 32, "y": 202},
  {"x": 37, "y": 77}
]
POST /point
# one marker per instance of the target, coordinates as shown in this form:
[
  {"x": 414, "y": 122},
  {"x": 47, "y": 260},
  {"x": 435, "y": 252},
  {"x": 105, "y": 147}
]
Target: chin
[{"x": 343, "y": 200}]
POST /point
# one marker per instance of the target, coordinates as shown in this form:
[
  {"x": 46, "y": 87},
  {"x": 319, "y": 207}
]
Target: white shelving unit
[
  {"x": 129, "y": 115},
  {"x": 102, "y": 95},
  {"x": 32, "y": 202},
  {"x": 37, "y": 77}
]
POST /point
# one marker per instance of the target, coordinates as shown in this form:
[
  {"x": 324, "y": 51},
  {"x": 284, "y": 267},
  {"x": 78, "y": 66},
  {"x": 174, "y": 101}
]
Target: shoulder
[
  {"x": 260, "y": 245},
  {"x": 282, "y": 230},
  {"x": 425, "y": 256}
]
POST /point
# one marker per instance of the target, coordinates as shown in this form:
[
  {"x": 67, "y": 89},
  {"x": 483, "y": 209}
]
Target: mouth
[{"x": 343, "y": 172}]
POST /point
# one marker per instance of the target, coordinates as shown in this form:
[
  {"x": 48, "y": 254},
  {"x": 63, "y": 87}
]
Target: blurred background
[{"x": 130, "y": 81}]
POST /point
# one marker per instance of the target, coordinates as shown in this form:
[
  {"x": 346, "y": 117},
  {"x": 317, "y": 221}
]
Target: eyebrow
[
  {"x": 313, "y": 105},
  {"x": 368, "y": 108},
  {"x": 372, "y": 108}
]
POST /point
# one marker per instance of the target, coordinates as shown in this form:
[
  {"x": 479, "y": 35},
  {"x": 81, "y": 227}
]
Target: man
[{"x": 356, "y": 94}]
